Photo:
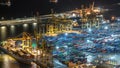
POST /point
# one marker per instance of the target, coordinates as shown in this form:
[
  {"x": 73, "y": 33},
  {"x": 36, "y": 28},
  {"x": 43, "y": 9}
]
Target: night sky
[{"x": 21, "y": 8}]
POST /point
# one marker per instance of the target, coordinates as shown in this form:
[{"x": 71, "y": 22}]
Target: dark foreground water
[{"x": 8, "y": 62}]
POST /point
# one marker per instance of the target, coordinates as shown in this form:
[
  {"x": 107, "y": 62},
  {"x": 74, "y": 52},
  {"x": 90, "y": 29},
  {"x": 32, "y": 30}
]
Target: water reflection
[
  {"x": 12, "y": 30},
  {"x": 34, "y": 25},
  {"x": 8, "y": 62},
  {"x": 15, "y": 30},
  {"x": 3, "y": 32},
  {"x": 25, "y": 27}
]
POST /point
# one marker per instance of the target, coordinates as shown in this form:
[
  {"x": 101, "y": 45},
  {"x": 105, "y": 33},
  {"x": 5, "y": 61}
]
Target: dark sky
[{"x": 21, "y": 8}]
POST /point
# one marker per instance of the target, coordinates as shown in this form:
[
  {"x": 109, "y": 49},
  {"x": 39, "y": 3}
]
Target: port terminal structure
[
  {"x": 60, "y": 22},
  {"x": 51, "y": 24}
]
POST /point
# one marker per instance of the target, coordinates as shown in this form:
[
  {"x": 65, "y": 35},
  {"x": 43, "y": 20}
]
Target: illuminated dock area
[{"x": 78, "y": 38}]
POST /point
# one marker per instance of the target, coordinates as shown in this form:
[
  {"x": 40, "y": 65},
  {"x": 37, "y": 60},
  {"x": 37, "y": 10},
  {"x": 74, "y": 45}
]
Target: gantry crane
[
  {"x": 25, "y": 38},
  {"x": 58, "y": 24}
]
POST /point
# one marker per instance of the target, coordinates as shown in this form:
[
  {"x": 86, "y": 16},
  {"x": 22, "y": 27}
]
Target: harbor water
[{"x": 7, "y": 61}]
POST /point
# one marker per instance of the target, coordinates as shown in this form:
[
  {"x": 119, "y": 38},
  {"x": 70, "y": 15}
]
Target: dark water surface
[{"x": 7, "y": 61}]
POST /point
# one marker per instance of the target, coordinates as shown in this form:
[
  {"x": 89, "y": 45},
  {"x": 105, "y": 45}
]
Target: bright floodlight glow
[
  {"x": 12, "y": 26},
  {"x": 25, "y": 25},
  {"x": 89, "y": 58},
  {"x": 113, "y": 57},
  {"x": 34, "y": 23},
  {"x": 74, "y": 15},
  {"x": 88, "y": 41},
  {"x": 118, "y": 19},
  {"x": 89, "y": 29},
  {"x": 3, "y": 32},
  {"x": 66, "y": 34},
  {"x": 113, "y": 35},
  {"x": 104, "y": 21},
  {"x": 66, "y": 46},
  {"x": 12, "y": 29},
  {"x": 106, "y": 27},
  {"x": 57, "y": 47},
  {"x": 96, "y": 10},
  {"x": 38, "y": 52},
  {"x": 3, "y": 27}
]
